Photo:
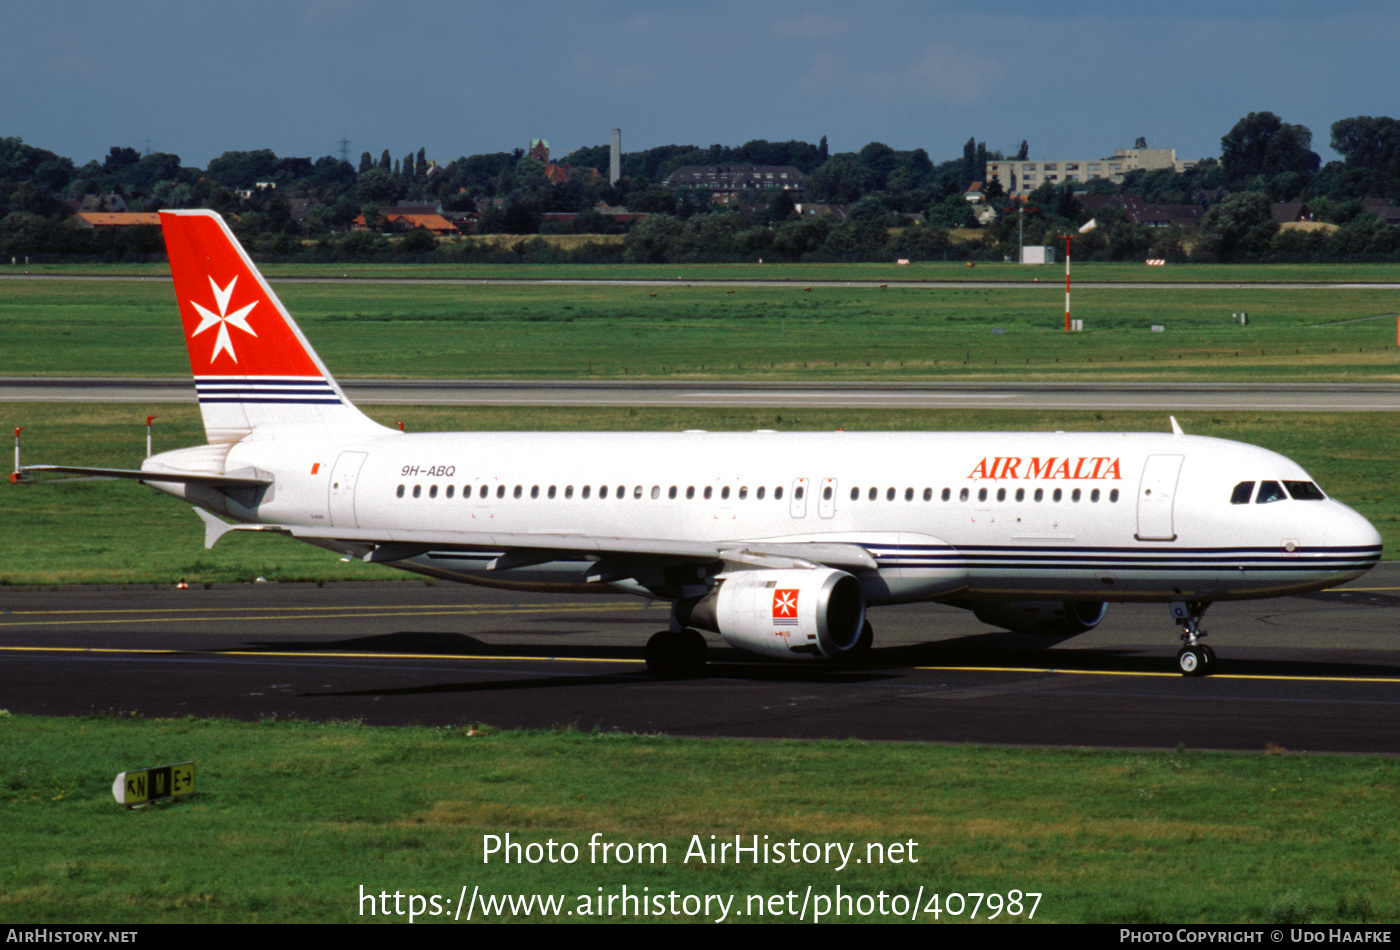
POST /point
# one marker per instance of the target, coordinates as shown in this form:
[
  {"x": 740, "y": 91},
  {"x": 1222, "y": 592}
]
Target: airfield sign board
[{"x": 147, "y": 785}]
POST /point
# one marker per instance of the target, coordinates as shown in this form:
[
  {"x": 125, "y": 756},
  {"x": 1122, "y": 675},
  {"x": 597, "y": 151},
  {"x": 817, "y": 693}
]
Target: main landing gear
[
  {"x": 1194, "y": 658},
  {"x": 676, "y": 654}
]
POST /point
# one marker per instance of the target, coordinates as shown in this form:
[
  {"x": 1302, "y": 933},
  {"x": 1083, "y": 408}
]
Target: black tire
[
  {"x": 673, "y": 655},
  {"x": 1191, "y": 661}
]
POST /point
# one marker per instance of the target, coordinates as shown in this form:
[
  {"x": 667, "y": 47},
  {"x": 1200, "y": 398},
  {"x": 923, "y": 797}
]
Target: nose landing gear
[{"x": 1194, "y": 658}]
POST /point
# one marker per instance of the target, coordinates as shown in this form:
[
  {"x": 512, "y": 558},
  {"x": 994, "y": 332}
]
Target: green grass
[
  {"x": 90, "y": 532},
  {"x": 828, "y": 332},
  {"x": 290, "y": 820}
]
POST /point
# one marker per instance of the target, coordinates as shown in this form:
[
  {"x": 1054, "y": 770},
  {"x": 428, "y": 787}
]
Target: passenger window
[
  {"x": 1001, "y": 494},
  {"x": 1040, "y": 494},
  {"x": 637, "y": 492},
  {"x": 1242, "y": 493},
  {"x": 466, "y": 491},
  {"x": 534, "y": 491},
  {"x": 744, "y": 492},
  {"x": 500, "y": 491},
  {"x": 1304, "y": 491},
  {"x": 778, "y": 493},
  {"x": 1074, "y": 495},
  {"x": 947, "y": 494},
  {"x": 587, "y": 490},
  {"x": 908, "y": 494},
  {"x": 519, "y": 490},
  {"x": 709, "y": 490},
  {"x": 874, "y": 493},
  {"x": 602, "y": 491},
  {"x": 798, "y": 492},
  {"x": 399, "y": 493},
  {"x": 655, "y": 492},
  {"x": 1269, "y": 491},
  {"x": 1020, "y": 494},
  {"x": 761, "y": 490},
  {"x": 671, "y": 494},
  {"x": 1113, "y": 495},
  {"x": 568, "y": 491},
  {"x": 889, "y": 494},
  {"x": 449, "y": 491},
  {"x": 981, "y": 494},
  {"x": 826, "y": 493},
  {"x": 962, "y": 495},
  {"x": 1094, "y": 495},
  {"x": 621, "y": 492},
  {"x": 432, "y": 492},
  {"x": 1059, "y": 493},
  {"x": 417, "y": 490},
  {"x": 855, "y": 494},
  {"x": 928, "y": 494},
  {"x": 550, "y": 493},
  {"x": 690, "y": 492}
]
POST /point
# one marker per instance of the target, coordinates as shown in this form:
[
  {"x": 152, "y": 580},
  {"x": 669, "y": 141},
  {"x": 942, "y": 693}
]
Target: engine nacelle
[
  {"x": 1043, "y": 618},
  {"x": 794, "y": 614}
]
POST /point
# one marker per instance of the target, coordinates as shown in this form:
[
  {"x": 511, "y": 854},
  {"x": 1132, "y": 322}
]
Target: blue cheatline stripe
[{"x": 267, "y": 390}]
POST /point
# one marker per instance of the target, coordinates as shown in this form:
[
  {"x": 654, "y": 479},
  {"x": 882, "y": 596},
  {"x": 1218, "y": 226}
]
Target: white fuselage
[{"x": 1004, "y": 516}]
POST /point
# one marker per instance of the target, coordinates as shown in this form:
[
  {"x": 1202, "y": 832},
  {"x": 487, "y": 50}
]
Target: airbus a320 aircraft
[{"x": 779, "y": 542}]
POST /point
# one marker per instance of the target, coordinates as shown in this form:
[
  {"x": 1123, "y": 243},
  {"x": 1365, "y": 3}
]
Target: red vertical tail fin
[{"x": 252, "y": 366}]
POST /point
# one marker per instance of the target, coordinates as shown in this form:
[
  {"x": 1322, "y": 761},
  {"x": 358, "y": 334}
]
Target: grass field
[
  {"x": 86, "y": 532},
  {"x": 826, "y": 332},
  {"x": 290, "y": 820}
]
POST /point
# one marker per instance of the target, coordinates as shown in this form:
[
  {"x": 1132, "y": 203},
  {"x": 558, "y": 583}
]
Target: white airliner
[{"x": 779, "y": 542}]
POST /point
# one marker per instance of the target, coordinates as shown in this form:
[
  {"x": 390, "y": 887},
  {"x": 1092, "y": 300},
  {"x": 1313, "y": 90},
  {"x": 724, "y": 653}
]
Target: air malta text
[{"x": 1084, "y": 467}]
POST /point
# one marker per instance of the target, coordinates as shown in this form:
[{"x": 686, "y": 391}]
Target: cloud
[
  {"x": 810, "y": 27},
  {"x": 944, "y": 72}
]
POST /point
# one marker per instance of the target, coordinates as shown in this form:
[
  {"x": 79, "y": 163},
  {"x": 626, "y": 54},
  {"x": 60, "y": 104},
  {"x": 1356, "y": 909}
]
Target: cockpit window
[
  {"x": 1270, "y": 491},
  {"x": 1304, "y": 491},
  {"x": 1242, "y": 493}
]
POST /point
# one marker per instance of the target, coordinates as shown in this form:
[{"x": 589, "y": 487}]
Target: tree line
[{"x": 890, "y": 203}]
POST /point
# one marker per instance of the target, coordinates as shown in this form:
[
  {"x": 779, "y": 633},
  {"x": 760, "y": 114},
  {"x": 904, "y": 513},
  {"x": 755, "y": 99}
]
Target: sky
[{"x": 1074, "y": 78}]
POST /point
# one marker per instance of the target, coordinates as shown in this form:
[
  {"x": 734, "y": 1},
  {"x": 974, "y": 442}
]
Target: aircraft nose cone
[{"x": 1351, "y": 531}]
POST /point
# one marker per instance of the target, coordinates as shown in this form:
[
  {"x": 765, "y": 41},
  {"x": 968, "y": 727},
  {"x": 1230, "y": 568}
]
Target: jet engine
[
  {"x": 793, "y": 614},
  {"x": 1043, "y": 618}
]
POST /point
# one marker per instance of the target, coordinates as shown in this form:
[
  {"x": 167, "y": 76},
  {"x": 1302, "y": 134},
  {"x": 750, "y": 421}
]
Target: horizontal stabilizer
[{"x": 186, "y": 478}]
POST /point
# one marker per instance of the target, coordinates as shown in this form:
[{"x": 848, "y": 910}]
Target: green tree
[
  {"x": 1263, "y": 144},
  {"x": 1239, "y": 226}
]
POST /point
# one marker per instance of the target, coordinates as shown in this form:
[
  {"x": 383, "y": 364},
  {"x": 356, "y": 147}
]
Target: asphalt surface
[
  {"x": 1272, "y": 397},
  {"x": 1317, "y": 673}
]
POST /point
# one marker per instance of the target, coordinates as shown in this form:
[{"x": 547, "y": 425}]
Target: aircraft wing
[{"x": 390, "y": 544}]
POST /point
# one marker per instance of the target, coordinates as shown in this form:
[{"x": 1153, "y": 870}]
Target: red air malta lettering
[
  {"x": 233, "y": 324},
  {"x": 1078, "y": 468}
]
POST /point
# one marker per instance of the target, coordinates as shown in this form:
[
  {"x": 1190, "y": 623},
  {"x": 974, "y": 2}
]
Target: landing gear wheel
[
  {"x": 1191, "y": 660},
  {"x": 1194, "y": 658},
  {"x": 673, "y": 654}
]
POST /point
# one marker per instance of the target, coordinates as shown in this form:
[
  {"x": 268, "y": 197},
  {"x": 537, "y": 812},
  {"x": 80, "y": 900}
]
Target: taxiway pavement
[{"x": 1316, "y": 673}]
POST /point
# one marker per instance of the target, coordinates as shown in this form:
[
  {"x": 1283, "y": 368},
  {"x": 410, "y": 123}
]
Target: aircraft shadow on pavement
[{"x": 999, "y": 650}]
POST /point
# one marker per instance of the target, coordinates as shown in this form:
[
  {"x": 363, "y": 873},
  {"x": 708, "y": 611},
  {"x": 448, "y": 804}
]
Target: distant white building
[{"x": 1021, "y": 178}]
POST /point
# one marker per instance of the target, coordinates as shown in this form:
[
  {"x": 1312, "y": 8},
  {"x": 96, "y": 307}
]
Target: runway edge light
[{"x": 144, "y": 786}]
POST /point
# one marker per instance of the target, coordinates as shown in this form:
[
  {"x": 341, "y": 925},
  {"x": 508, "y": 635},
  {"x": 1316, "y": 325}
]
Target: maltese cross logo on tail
[{"x": 223, "y": 318}]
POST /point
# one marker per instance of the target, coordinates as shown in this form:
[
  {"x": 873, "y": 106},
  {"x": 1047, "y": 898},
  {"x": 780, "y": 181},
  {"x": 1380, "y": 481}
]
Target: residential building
[
  {"x": 725, "y": 183},
  {"x": 1023, "y": 177}
]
